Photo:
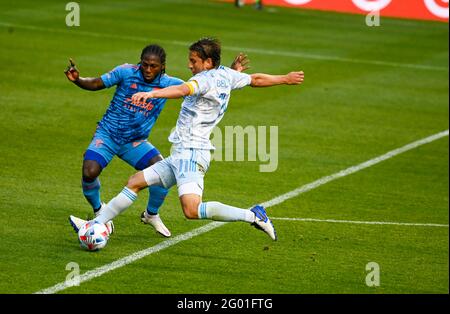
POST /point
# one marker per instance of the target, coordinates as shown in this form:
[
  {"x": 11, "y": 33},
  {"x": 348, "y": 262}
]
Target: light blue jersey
[
  {"x": 206, "y": 105},
  {"x": 200, "y": 112},
  {"x": 126, "y": 122}
]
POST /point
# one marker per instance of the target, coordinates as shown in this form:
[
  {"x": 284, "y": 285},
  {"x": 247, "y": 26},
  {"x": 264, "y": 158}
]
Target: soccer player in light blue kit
[
  {"x": 125, "y": 127},
  {"x": 207, "y": 95}
]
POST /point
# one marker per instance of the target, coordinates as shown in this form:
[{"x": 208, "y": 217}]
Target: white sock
[
  {"x": 117, "y": 205},
  {"x": 222, "y": 212}
]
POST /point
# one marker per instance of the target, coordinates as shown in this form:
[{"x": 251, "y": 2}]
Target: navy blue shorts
[{"x": 102, "y": 149}]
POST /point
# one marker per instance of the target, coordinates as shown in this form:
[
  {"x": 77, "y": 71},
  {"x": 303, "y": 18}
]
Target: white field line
[
  {"x": 97, "y": 272},
  {"x": 213, "y": 225},
  {"x": 362, "y": 222},
  {"x": 346, "y": 172},
  {"x": 63, "y": 30}
]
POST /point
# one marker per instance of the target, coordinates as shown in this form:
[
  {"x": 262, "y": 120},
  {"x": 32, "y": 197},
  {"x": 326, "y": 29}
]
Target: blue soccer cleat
[{"x": 262, "y": 222}]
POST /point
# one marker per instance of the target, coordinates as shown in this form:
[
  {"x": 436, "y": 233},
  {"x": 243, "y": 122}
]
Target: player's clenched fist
[{"x": 72, "y": 72}]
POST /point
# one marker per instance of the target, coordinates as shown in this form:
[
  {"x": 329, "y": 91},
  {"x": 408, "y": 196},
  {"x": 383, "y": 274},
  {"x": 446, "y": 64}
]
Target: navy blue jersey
[{"x": 127, "y": 122}]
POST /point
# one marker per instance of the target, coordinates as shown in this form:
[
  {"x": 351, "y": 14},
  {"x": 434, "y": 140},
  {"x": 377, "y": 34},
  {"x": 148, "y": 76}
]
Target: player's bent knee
[
  {"x": 189, "y": 204},
  {"x": 91, "y": 170},
  {"x": 155, "y": 159},
  {"x": 190, "y": 212},
  {"x": 90, "y": 175},
  {"x": 137, "y": 182},
  {"x": 133, "y": 182}
]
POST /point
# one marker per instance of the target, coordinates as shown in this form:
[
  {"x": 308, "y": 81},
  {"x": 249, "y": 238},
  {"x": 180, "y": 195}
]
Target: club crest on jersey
[
  {"x": 98, "y": 142},
  {"x": 136, "y": 144}
]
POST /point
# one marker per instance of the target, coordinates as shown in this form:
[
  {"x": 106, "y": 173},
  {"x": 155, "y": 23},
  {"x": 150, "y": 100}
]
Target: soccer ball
[{"x": 93, "y": 236}]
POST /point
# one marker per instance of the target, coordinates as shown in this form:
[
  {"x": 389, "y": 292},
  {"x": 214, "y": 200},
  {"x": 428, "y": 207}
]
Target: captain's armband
[{"x": 193, "y": 87}]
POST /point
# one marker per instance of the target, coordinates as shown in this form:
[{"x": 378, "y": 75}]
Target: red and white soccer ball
[{"x": 93, "y": 236}]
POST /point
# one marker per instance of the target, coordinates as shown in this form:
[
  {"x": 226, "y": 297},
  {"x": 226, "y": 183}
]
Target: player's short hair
[
  {"x": 154, "y": 50},
  {"x": 207, "y": 48}
]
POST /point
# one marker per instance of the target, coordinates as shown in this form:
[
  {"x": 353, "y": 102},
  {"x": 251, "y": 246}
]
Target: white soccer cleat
[
  {"x": 76, "y": 223},
  {"x": 110, "y": 224},
  {"x": 156, "y": 222},
  {"x": 262, "y": 222}
]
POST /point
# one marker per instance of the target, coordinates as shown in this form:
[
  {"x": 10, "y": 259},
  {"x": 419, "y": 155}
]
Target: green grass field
[{"x": 367, "y": 91}]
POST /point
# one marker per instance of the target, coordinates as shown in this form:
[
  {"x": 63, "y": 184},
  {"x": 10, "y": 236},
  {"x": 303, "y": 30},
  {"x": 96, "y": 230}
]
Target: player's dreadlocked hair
[
  {"x": 155, "y": 50},
  {"x": 207, "y": 48}
]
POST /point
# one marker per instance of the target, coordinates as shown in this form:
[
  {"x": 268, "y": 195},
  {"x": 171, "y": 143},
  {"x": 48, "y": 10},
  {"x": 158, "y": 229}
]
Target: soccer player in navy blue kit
[{"x": 125, "y": 127}]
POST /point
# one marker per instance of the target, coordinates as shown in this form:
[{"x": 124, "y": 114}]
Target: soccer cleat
[
  {"x": 110, "y": 224},
  {"x": 76, "y": 222},
  {"x": 156, "y": 222},
  {"x": 262, "y": 222}
]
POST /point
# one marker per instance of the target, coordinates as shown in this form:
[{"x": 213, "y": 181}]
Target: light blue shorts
[
  {"x": 185, "y": 167},
  {"x": 103, "y": 148}
]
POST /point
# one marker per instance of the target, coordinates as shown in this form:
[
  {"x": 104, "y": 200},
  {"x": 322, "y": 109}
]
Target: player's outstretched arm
[
  {"x": 266, "y": 80},
  {"x": 88, "y": 83},
  {"x": 171, "y": 92}
]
